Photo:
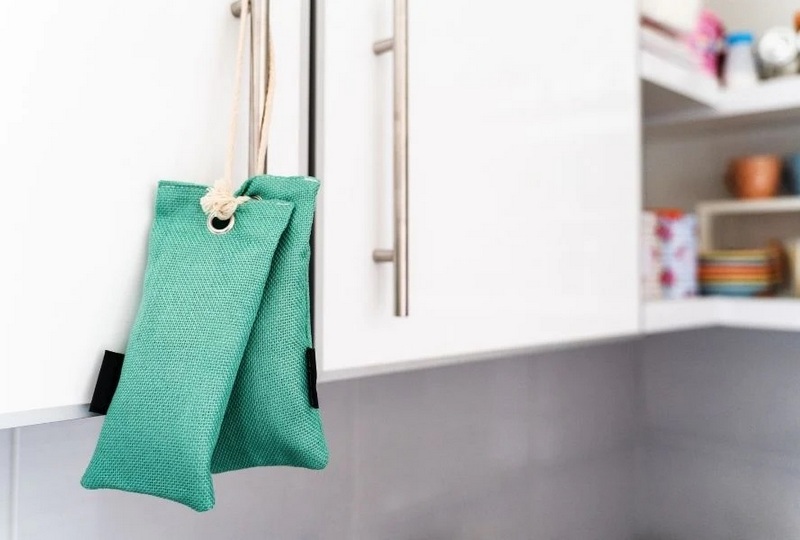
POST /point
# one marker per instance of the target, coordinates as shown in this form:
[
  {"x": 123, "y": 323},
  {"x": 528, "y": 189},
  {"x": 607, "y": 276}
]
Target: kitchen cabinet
[
  {"x": 99, "y": 101},
  {"x": 523, "y": 166},
  {"x": 524, "y": 179}
]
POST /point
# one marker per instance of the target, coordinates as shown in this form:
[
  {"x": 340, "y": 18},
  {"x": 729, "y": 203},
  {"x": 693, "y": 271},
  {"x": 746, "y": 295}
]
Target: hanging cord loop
[
  {"x": 220, "y": 201},
  {"x": 266, "y": 116}
]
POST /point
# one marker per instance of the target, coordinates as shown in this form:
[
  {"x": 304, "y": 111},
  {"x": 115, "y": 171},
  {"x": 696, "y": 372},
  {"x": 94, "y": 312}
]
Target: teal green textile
[
  {"x": 208, "y": 336},
  {"x": 269, "y": 420}
]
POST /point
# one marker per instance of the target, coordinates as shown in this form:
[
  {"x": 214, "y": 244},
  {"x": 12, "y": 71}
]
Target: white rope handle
[
  {"x": 220, "y": 201},
  {"x": 266, "y": 117}
]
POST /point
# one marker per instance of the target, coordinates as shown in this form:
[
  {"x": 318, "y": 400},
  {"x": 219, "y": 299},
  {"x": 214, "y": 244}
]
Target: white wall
[
  {"x": 755, "y": 15},
  {"x": 539, "y": 447},
  {"x": 681, "y": 169}
]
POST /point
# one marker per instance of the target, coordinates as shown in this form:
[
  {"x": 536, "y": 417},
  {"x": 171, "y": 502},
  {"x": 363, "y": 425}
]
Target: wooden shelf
[
  {"x": 677, "y": 96},
  {"x": 755, "y": 313}
]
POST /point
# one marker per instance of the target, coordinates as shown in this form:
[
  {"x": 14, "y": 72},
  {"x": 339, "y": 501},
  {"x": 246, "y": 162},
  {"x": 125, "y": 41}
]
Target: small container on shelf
[
  {"x": 670, "y": 252},
  {"x": 651, "y": 258},
  {"x": 740, "y": 65},
  {"x": 707, "y": 41},
  {"x": 791, "y": 173},
  {"x": 677, "y": 233},
  {"x": 792, "y": 247},
  {"x": 777, "y": 52},
  {"x": 754, "y": 177}
]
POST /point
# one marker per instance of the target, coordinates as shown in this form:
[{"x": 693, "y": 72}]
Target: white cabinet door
[
  {"x": 98, "y": 101},
  {"x": 524, "y": 158}
]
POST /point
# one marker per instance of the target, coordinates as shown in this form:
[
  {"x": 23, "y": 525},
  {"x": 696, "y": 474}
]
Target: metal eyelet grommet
[{"x": 220, "y": 226}]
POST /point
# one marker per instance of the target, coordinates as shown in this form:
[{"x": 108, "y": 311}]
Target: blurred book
[
  {"x": 697, "y": 50},
  {"x": 678, "y": 15},
  {"x": 669, "y": 47}
]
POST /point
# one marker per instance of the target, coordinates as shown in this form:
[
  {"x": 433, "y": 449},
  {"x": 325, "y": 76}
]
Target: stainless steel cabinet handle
[
  {"x": 259, "y": 74},
  {"x": 399, "y": 253}
]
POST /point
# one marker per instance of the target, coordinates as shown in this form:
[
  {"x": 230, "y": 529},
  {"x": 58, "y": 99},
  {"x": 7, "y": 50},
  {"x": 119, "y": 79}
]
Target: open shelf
[
  {"x": 690, "y": 88},
  {"x": 707, "y": 211},
  {"x": 755, "y": 313},
  {"x": 674, "y": 315},
  {"x": 676, "y": 96},
  {"x": 750, "y": 206}
]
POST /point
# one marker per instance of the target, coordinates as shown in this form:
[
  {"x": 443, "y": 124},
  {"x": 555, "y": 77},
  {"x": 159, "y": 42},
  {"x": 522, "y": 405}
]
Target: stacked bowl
[{"x": 738, "y": 272}]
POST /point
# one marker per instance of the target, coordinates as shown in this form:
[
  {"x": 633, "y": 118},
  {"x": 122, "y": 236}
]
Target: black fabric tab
[
  {"x": 107, "y": 381},
  {"x": 311, "y": 375}
]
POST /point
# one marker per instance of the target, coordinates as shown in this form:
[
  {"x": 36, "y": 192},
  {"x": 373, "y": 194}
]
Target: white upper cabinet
[
  {"x": 99, "y": 101},
  {"x": 524, "y": 168}
]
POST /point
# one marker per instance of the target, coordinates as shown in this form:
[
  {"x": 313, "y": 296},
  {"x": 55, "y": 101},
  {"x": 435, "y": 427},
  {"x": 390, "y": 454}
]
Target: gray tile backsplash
[
  {"x": 5, "y": 482},
  {"x": 530, "y": 448},
  {"x": 584, "y": 402},
  {"x": 720, "y": 454},
  {"x": 701, "y": 492},
  {"x": 740, "y": 388},
  {"x": 686, "y": 436},
  {"x": 256, "y": 503}
]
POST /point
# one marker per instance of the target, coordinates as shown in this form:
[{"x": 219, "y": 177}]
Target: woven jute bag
[{"x": 217, "y": 369}]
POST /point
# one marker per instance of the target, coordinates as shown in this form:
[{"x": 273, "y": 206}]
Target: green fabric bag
[
  {"x": 201, "y": 295},
  {"x": 215, "y": 376},
  {"x": 270, "y": 420}
]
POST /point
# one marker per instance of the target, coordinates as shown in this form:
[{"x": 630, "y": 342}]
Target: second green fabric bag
[
  {"x": 202, "y": 292},
  {"x": 270, "y": 419}
]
